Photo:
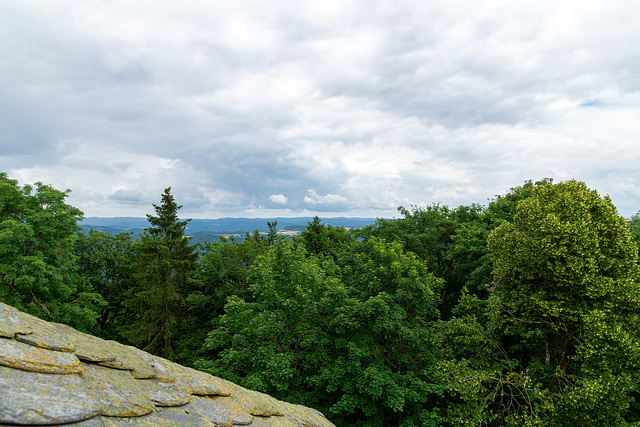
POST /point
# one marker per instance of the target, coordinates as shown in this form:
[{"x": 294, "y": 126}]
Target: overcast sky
[{"x": 336, "y": 108}]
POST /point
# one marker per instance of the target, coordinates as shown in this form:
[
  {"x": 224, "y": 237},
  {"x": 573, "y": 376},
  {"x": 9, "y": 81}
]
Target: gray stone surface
[
  {"x": 35, "y": 398},
  {"x": 18, "y": 355},
  {"x": 51, "y": 374}
]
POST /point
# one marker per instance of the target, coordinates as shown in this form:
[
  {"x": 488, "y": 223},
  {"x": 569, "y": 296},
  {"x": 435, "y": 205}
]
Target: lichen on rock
[{"x": 51, "y": 374}]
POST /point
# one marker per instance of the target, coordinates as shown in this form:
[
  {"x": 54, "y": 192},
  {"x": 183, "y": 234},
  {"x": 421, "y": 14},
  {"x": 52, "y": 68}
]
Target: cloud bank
[{"x": 341, "y": 108}]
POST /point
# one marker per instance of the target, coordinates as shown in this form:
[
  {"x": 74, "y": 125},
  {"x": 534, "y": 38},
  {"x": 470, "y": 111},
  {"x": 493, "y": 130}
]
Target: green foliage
[
  {"x": 163, "y": 268},
  {"x": 37, "y": 265},
  {"x": 223, "y": 268},
  {"x": 324, "y": 240},
  {"x": 451, "y": 241},
  {"x": 222, "y": 271},
  {"x": 538, "y": 293},
  {"x": 634, "y": 228},
  {"x": 276, "y": 343},
  {"x": 384, "y": 368},
  {"x": 362, "y": 350},
  {"x": 562, "y": 315},
  {"x": 105, "y": 264},
  {"x": 504, "y": 207}
]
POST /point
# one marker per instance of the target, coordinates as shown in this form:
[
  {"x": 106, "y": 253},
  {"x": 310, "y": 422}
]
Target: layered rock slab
[{"x": 51, "y": 374}]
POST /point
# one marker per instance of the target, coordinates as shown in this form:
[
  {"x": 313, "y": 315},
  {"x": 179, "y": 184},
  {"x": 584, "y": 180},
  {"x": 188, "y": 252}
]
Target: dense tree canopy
[
  {"x": 360, "y": 348},
  {"x": 37, "y": 264},
  {"x": 384, "y": 345},
  {"x": 442, "y": 237},
  {"x": 275, "y": 341},
  {"x": 561, "y": 317},
  {"x": 523, "y": 312},
  {"x": 105, "y": 264}
]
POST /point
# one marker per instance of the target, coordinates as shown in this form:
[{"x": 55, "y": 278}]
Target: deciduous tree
[
  {"x": 562, "y": 315},
  {"x": 105, "y": 264},
  {"x": 278, "y": 340},
  {"x": 37, "y": 264}
]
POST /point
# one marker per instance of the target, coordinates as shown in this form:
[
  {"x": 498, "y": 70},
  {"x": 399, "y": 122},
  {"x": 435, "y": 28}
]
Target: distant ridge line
[{"x": 220, "y": 226}]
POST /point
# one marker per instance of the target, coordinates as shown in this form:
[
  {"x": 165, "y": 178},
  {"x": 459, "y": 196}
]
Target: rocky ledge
[{"x": 51, "y": 374}]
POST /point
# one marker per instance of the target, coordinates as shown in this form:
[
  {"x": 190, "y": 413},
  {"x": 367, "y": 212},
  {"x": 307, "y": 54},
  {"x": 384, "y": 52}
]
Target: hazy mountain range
[{"x": 211, "y": 229}]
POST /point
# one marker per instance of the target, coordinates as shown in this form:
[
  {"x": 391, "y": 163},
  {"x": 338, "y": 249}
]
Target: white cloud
[
  {"x": 351, "y": 106},
  {"x": 279, "y": 199},
  {"x": 329, "y": 199}
]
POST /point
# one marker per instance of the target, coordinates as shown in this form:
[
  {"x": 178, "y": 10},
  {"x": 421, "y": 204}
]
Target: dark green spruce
[{"x": 163, "y": 267}]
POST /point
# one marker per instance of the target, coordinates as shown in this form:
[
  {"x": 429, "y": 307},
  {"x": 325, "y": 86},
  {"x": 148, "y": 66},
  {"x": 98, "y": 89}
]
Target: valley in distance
[{"x": 210, "y": 230}]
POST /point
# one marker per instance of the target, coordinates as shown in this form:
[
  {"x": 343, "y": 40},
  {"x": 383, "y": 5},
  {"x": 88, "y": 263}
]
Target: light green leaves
[
  {"x": 564, "y": 298},
  {"x": 37, "y": 265}
]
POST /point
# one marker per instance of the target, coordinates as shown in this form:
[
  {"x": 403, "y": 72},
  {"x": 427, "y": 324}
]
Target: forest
[{"x": 523, "y": 312}]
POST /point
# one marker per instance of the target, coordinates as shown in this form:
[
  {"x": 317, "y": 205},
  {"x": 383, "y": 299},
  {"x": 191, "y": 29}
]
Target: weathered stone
[
  {"x": 11, "y": 322},
  {"x": 177, "y": 416},
  {"x": 117, "y": 362},
  {"x": 53, "y": 374},
  {"x": 135, "y": 358},
  {"x": 33, "y": 398},
  {"x": 169, "y": 372},
  {"x": 299, "y": 415},
  {"x": 91, "y": 422},
  {"x": 52, "y": 336},
  {"x": 92, "y": 349},
  {"x": 118, "y": 394},
  {"x": 217, "y": 410},
  {"x": 161, "y": 369},
  {"x": 253, "y": 402},
  {"x": 164, "y": 394},
  {"x": 23, "y": 356},
  {"x": 44, "y": 340},
  {"x": 197, "y": 382},
  {"x": 271, "y": 422}
]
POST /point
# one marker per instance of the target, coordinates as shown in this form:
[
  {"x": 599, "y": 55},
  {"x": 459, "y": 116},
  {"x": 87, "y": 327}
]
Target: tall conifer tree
[{"x": 165, "y": 263}]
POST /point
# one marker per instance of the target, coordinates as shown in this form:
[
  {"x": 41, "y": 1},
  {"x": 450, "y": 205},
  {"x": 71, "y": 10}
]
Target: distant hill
[{"x": 212, "y": 229}]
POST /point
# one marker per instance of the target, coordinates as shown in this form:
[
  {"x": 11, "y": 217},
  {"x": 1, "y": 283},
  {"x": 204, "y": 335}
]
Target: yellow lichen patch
[
  {"x": 92, "y": 349},
  {"x": 266, "y": 406},
  {"x": 200, "y": 382},
  {"x": 46, "y": 340},
  {"x": 52, "y": 336},
  {"x": 18, "y": 355},
  {"x": 182, "y": 416},
  {"x": 218, "y": 410},
  {"x": 255, "y": 403},
  {"x": 237, "y": 404},
  {"x": 35, "y": 398},
  {"x": 135, "y": 358},
  {"x": 164, "y": 394},
  {"x": 118, "y": 394},
  {"x": 11, "y": 322}
]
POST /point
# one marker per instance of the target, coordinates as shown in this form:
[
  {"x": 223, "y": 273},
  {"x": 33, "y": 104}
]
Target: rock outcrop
[{"x": 51, "y": 374}]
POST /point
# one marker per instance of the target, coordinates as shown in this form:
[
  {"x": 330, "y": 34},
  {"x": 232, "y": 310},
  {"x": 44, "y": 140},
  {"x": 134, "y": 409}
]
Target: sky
[{"x": 330, "y": 108}]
